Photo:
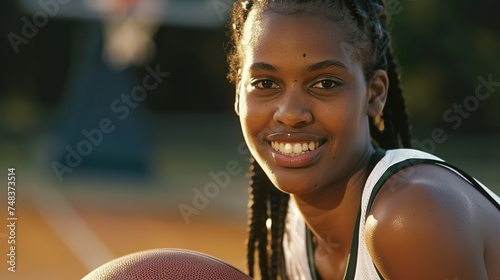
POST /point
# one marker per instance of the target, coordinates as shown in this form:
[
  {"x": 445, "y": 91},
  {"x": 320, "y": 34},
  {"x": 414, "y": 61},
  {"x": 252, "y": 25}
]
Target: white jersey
[{"x": 297, "y": 245}]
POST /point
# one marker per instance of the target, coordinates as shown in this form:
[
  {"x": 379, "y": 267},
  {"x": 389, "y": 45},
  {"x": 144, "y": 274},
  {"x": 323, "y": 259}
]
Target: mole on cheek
[{"x": 304, "y": 55}]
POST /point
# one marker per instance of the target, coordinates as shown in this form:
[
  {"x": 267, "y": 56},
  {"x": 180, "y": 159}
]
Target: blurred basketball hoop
[
  {"x": 129, "y": 25},
  {"x": 192, "y": 13}
]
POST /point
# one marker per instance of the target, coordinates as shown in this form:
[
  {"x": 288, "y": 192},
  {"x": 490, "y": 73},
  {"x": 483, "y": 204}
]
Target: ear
[
  {"x": 237, "y": 95},
  {"x": 378, "y": 87},
  {"x": 237, "y": 102}
]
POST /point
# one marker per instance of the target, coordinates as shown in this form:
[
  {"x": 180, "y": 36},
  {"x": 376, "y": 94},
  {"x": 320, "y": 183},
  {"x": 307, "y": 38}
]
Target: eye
[
  {"x": 325, "y": 84},
  {"x": 265, "y": 84}
]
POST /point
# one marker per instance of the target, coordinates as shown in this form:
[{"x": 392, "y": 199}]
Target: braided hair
[{"x": 365, "y": 22}]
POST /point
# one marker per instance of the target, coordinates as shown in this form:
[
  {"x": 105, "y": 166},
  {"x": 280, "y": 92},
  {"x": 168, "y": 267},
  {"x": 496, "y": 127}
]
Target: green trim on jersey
[{"x": 414, "y": 161}]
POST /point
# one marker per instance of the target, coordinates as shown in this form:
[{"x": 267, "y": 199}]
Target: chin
[{"x": 291, "y": 181}]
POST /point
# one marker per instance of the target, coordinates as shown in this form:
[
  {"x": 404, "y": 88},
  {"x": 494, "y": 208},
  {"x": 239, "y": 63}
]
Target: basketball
[{"x": 166, "y": 264}]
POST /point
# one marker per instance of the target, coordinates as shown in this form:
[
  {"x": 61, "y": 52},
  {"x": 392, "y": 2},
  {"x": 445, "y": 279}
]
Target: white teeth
[
  {"x": 293, "y": 149},
  {"x": 297, "y": 148},
  {"x": 311, "y": 146}
]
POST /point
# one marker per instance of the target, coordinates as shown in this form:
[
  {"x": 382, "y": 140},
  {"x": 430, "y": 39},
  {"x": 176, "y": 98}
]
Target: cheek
[
  {"x": 253, "y": 122},
  {"x": 251, "y": 117},
  {"x": 343, "y": 119},
  {"x": 252, "y": 108}
]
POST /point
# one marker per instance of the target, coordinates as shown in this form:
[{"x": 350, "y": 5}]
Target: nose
[{"x": 293, "y": 111}]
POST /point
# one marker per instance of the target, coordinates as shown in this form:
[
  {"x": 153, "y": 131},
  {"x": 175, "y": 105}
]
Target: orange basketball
[{"x": 166, "y": 264}]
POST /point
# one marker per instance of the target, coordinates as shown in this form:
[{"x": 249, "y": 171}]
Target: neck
[{"x": 331, "y": 212}]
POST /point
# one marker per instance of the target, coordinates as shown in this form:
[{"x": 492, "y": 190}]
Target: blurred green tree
[{"x": 443, "y": 48}]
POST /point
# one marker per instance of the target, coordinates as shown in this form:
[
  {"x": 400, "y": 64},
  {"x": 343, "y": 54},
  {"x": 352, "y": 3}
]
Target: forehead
[{"x": 274, "y": 38}]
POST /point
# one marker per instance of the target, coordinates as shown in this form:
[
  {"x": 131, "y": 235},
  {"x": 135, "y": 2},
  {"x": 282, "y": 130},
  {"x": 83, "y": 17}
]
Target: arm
[{"x": 423, "y": 228}]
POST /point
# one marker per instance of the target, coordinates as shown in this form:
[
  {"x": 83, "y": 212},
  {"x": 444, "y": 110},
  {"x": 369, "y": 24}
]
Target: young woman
[{"x": 321, "y": 110}]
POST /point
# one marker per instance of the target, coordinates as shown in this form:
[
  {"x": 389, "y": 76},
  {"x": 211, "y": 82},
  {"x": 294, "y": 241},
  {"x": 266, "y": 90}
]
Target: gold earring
[{"x": 379, "y": 122}]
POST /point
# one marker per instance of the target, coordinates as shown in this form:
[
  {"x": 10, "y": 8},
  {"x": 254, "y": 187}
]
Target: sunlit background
[{"x": 119, "y": 122}]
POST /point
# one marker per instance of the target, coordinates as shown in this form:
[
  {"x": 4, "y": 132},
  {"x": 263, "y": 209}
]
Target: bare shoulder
[{"x": 429, "y": 223}]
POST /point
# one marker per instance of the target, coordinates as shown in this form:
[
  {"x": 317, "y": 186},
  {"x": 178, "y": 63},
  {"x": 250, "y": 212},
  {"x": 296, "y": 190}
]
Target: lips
[{"x": 295, "y": 150}]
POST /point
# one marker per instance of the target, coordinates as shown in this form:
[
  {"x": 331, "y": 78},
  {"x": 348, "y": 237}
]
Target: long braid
[
  {"x": 398, "y": 105},
  {"x": 283, "y": 209},
  {"x": 259, "y": 195},
  {"x": 275, "y": 213},
  {"x": 253, "y": 210},
  {"x": 262, "y": 250},
  {"x": 265, "y": 202},
  {"x": 279, "y": 207}
]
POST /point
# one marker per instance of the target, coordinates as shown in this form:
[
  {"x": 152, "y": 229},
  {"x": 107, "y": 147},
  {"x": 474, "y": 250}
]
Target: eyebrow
[
  {"x": 326, "y": 64},
  {"x": 313, "y": 67},
  {"x": 263, "y": 66}
]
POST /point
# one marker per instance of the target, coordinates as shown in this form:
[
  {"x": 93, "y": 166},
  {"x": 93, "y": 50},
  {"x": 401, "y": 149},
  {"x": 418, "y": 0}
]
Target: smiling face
[{"x": 303, "y": 100}]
